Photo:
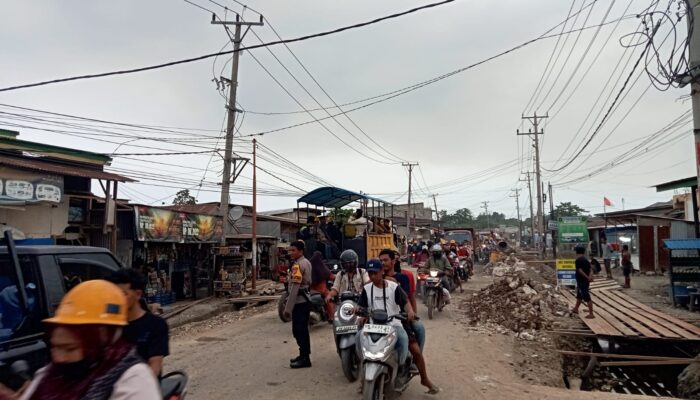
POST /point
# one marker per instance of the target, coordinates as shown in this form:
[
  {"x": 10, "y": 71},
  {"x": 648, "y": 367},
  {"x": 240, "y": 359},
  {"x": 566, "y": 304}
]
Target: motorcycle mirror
[{"x": 21, "y": 369}]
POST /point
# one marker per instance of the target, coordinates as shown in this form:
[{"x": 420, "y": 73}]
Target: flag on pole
[{"x": 607, "y": 202}]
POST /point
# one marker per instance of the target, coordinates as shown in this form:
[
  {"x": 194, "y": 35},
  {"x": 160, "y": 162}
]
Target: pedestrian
[
  {"x": 320, "y": 274},
  {"x": 584, "y": 277},
  {"x": 299, "y": 303},
  {"x": 607, "y": 256},
  {"x": 626, "y": 264}
]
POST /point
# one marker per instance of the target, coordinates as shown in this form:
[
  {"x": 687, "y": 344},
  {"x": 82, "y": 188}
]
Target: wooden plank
[
  {"x": 622, "y": 356},
  {"x": 692, "y": 331},
  {"x": 604, "y": 323},
  {"x": 628, "y": 317},
  {"x": 640, "y": 363},
  {"x": 571, "y": 333},
  {"x": 597, "y": 325},
  {"x": 658, "y": 330}
]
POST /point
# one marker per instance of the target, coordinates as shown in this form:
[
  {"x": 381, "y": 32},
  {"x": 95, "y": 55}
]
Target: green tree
[
  {"x": 461, "y": 218},
  {"x": 341, "y": 214},
  {"x": 184, "y": 197},
  {"x": 567, "y": 209}
]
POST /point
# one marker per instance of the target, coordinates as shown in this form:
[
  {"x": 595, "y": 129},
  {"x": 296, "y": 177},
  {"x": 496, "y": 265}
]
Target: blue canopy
[
  {"x": 682, "y": 244},
  {"x": 333, "y": 197}
]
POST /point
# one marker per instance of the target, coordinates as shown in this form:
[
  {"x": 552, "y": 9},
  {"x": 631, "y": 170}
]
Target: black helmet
[{"x": 349, "y": 260}]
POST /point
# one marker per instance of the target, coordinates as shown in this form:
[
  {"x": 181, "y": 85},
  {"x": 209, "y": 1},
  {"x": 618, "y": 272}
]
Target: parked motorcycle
[
  {"x": 173, "y": 386},
  {"x": 434, "y": 293},
  {"x": 380, "y": 360},
  {"x": 345, "y": 329}
]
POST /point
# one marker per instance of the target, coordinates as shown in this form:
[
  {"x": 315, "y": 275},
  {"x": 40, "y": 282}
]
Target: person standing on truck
[
  {"x": 90, "y": 358},
  {"x": 146, "y": 331}
]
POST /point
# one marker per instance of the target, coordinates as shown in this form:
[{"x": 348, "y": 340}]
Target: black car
[{"x": 47, "y": 273}]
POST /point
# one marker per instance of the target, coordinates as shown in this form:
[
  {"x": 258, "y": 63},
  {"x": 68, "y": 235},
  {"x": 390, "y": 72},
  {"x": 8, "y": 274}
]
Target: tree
[
  {"x": 461, "y": 218},
  {"x": 184, "y": 197},
  {"x": 568, "y": 209},
  {"x": 341, "y": 214}
]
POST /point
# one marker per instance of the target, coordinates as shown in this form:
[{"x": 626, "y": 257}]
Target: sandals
[{"x": 434, "y": 390}]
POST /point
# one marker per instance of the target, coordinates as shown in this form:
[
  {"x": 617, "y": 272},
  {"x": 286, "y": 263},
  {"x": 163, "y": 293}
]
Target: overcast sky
[{"x": 455, "y": 128}]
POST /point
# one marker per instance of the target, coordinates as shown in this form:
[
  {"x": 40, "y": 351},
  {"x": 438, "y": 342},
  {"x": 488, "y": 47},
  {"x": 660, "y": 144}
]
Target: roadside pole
[
  {"x": 254, "y": 234},
  {"x": 694, "y": 63},
  {"x": 552, "y": 218},
  {"x": 536, "y": 119},
  {"x": 532, "y": 213},
  {"x": 517, "y": 210},
  {"x": 410, "y": 166}
]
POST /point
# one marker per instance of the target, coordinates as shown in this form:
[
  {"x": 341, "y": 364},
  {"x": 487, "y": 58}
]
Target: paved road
[{"x": 248, "y": 359}]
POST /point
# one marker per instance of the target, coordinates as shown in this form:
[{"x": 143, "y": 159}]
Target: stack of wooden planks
[{"x": 617, "y": 314}]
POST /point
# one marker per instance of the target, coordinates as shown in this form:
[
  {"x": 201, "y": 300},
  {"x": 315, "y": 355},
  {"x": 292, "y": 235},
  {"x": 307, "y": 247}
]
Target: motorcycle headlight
[
  {"x": 433, "y": 273},
  {"x": 379, "y": 351},
  {"x": 346, "y": 312}
]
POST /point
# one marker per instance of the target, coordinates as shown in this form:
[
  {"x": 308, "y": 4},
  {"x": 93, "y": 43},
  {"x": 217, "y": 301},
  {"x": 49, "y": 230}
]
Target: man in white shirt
[
  {"x": 607, "y": 256},
  {"x": 362, "y": 223}
]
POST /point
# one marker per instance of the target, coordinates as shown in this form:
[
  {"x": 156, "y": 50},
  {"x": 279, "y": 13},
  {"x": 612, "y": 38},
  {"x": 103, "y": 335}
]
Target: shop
[{"x": 175, "y": 251}]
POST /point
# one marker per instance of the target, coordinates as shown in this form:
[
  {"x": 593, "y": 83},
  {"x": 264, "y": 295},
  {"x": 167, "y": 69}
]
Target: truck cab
[{"x": 47, "y": 273}]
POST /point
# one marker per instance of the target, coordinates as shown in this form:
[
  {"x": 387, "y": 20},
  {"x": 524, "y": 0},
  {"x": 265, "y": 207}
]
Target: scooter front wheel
[
  {"x": 350, "y": 363},
  {"x": 374, "y": 390},
  {"x": 430, "y": 304}
]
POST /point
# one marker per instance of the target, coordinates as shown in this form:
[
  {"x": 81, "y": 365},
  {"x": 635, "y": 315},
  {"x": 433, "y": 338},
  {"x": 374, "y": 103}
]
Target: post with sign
[{"x": 573, "y": 232}]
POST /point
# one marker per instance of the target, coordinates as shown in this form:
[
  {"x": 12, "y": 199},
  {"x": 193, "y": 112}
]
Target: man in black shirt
[
  {"x": 148, "y": 332},
  {"x": 584, "y": 277}
]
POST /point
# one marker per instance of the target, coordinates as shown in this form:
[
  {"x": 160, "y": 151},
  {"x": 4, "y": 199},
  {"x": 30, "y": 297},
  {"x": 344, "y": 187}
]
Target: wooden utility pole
[
  {"x": 437, "y": 213},
  {"x": 536, "y": 119},
  {"x": 517, "y": 211},
  {"x": 254, "y": 233},
  {"x": 409, "y": 215},
  {"x": 552, "y": 217},
  {"x": 231, "y": 118},
  {"x": 485, "y": 206},
  {"x": 532, "y": 216},
  {"x": 694, "y": 63}
]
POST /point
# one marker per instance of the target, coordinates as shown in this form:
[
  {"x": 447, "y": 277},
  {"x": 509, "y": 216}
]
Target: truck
[
  {"x": 461, "y": 235},
  {"x": 33, "y": 279}
]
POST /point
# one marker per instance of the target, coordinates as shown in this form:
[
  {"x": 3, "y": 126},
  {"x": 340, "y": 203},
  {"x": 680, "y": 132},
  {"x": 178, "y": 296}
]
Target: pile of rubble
[{"x": 522, "y": 299}]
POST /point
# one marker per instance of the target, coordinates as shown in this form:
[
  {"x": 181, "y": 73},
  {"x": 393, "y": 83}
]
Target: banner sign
[
  {"x": 24, "y": 187},
  {"x": 161, "y": 225},
  {"x": 573, "y": 230},
  {"x": 566, "y": 272}
]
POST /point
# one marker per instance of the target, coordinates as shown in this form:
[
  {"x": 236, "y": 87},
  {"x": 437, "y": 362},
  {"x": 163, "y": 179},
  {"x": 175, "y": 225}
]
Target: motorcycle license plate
[
  {"x": 383, "y": 329},
  {"x": 346, "y": 329}
]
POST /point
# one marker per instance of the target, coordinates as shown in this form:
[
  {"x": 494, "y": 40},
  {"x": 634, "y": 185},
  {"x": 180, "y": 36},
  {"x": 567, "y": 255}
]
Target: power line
[{"x": 204, "y": 57}]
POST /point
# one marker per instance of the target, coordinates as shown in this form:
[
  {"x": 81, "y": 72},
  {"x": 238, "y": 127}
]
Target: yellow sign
[
  {"x": 566, "y": 265},
  {"x": 296, "y": 274}
]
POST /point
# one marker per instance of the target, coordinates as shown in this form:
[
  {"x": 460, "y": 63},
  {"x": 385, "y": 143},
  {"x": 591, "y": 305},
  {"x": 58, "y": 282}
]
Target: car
[{"x": 46, "y": 273}]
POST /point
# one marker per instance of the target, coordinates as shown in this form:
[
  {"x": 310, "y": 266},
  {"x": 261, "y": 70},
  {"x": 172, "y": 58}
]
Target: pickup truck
[{"x": 45, "y": 273}]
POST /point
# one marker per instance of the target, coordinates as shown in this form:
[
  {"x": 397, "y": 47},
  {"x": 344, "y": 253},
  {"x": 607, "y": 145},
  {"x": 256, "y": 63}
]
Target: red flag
[{"x": 607, "y": 202}]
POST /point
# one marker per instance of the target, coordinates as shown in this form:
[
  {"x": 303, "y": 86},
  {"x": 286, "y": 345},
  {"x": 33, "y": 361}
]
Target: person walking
[
  {"x": 584, "y": 277},
  {"x": 299, "y": 304},
  {"x": 607, "y": 256},
  {"x": 626, "y": 264}
]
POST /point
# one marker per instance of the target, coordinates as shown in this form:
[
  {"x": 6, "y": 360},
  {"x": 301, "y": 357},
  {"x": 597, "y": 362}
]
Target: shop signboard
[
  {"x": 566, "y": 272},
  {"x": 573, "y": 230},
  {"x": 24, "y": 187},
  {"x": 158, "y": 225},
  {"x": 199, "y": 228}
]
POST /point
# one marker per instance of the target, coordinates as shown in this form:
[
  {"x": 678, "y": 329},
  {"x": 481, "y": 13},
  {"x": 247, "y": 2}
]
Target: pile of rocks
[{"x": 521, "y": 299}]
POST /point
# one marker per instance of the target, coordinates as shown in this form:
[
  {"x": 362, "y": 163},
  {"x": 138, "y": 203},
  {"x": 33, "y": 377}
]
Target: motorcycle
[
  {"x": 380, "y": 360},
  {"x": 318, "y": 304},
  {"x": 434, "y": 293},
  {"x": 345, "y": 328},
  {"x": 173, "y": 386}
]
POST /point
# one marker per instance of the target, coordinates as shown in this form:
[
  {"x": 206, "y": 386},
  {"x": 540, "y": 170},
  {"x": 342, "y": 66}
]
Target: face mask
[{"x": 73, "y": 371}]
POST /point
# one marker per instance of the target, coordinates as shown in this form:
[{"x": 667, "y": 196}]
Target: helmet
[
  {"x": 453, "y": 241},
  {"x": 95, "y": 302},
  {"x": 436, "y": 249},
  {"x": 348, "y": 259},
  {"x": 374, "y": 265},
  {"x": 424, "y": 247}
]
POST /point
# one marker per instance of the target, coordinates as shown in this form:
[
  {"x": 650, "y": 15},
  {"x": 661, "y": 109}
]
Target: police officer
[{"x": 299, "y": 304}]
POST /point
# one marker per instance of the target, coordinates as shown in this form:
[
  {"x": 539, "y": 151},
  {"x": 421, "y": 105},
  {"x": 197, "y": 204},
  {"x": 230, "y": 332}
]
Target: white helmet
[{"x": 436, "y": 248}]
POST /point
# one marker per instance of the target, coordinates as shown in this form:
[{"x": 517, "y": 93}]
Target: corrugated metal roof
[
  {"x": 682, "y": 244},
  {"x": 60, "y": 169}
]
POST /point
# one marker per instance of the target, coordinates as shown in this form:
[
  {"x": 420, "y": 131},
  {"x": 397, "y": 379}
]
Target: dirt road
[{"x": 249, "y": 359}]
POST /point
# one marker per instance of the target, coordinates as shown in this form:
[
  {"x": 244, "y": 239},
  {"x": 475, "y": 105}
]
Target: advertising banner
[
  {"x": 566, "y": 272},
  {"x": 158, "y": 225},
  {"x": 573, "y": 230},
  {"x": 199, "y": 228},
  {"x": 23, "y": 187}
]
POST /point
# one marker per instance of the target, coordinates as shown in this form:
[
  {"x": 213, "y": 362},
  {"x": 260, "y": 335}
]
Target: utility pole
[
  {"x": 254, "y": 233},
  {"x": 552, "y": 217},
  {"x": 437, "y": 213},
  {"x": 409, "y": 215},
  {"x": 536, "y": 119},
  {"x": 694, "y": 63},
  {"x": 485, "y": 206},
  {"x": 517, "y": 210},
  {"x": 231, "y": 118},
  {"x": 532, "y": 214}
]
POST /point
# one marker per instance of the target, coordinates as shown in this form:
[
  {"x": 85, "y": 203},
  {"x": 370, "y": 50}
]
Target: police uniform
[{"x": 299, "y": 306}]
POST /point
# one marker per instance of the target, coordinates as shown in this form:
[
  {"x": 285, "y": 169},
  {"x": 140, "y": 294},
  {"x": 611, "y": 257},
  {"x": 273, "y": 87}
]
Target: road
[{"x": 249, "y": 359}]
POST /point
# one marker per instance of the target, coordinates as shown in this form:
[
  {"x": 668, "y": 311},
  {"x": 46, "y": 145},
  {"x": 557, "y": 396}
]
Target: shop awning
[
  {"x": 33, "y": 164},
  {"x": 333, "y": 197}
]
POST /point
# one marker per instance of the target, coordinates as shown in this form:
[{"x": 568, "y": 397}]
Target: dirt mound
[{"x": 521, "y": 299}]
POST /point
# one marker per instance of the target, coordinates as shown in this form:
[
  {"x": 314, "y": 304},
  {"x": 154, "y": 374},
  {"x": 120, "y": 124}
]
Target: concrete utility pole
[
  {"x": 437, "y": 213},
  {"x": 694, "y": 64},
  {"x": 552, "y": 217},
  {"x": 535, "y": 119},
  {"x": 409, "y": 215},
  {"x": 517, "y": 210},
  {"x": 532, "y": 214},
  {"x": 254, "y": 233},
  {"x": 231, "y": 118},
  {"x": 485, "y": 206}
]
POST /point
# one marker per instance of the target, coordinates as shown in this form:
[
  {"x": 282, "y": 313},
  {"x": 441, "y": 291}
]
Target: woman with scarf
[
  {"x": 320, "y": 274},
  {"x": 89, "y": 357}
]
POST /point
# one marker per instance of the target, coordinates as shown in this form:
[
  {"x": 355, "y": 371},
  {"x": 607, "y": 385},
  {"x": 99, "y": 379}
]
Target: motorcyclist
[
  {"x": 90, "y": 359},
  {"x": 351, "y": 278},
  {"x": 440, "y": 262}
]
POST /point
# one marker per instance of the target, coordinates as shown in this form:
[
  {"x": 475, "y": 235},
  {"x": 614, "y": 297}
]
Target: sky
[{"x": 461, "y": 130}]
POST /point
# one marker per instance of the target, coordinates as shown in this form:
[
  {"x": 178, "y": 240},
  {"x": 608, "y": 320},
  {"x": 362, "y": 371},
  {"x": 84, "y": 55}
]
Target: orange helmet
[{"x": 95, "y": 302}]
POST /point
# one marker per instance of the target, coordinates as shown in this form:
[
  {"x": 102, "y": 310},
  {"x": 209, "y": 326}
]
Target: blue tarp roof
[
  {"x": 682, "y": 244},
  {"x": 333, "y": 197}
]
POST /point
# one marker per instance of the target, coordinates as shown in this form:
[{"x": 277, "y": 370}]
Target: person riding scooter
[
  {"x": 440, "y": 262},
  {"x": 351, "y": 278}
]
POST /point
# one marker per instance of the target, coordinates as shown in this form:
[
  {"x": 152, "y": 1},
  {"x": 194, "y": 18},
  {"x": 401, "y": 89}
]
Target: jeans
[
  {"x": 419, "y": 329},
  {"x": 446, "y": 283},
  {"x": 300, "y": 327},
  {"x": 401, "y": 343}
]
